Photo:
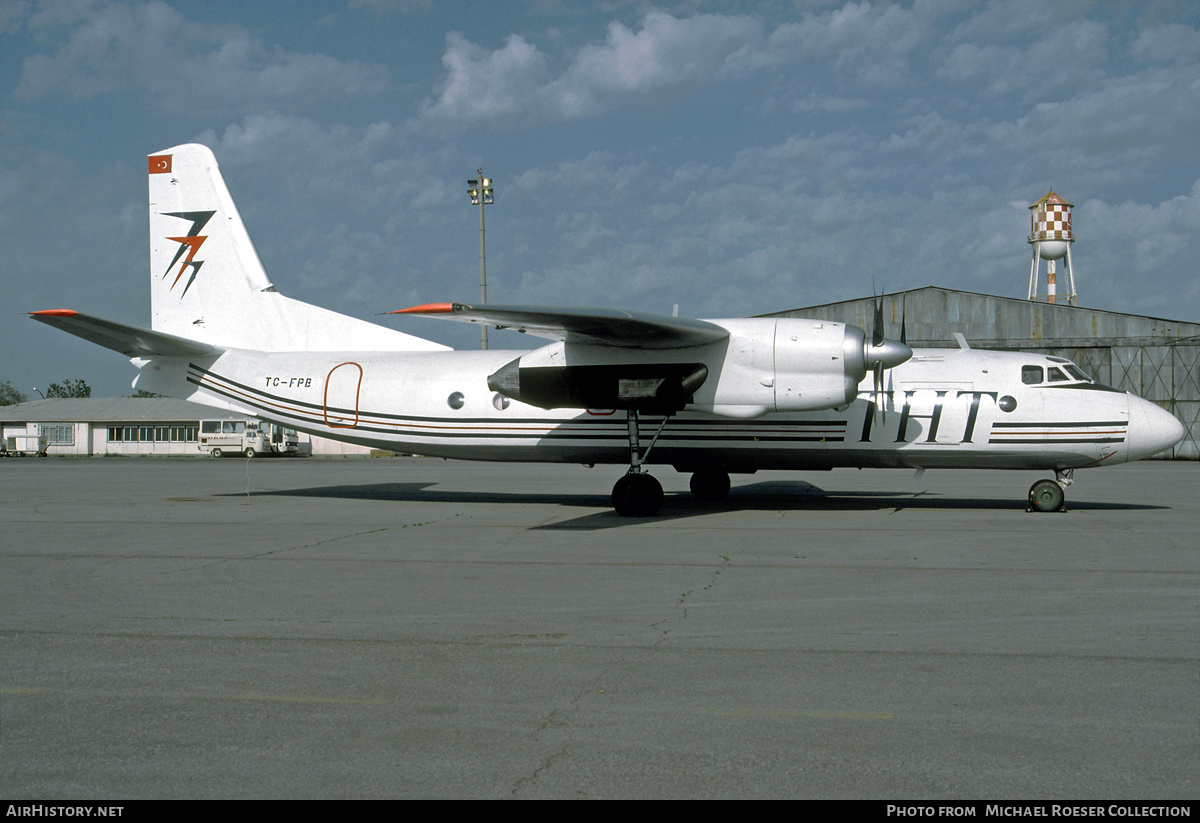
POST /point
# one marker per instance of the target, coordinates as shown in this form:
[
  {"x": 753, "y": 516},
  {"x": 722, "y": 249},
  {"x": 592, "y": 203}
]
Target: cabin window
[{"x": 1031, "y": 375}]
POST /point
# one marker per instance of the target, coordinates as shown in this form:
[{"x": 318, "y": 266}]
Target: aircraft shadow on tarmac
[{"x": 771, "y": 495}]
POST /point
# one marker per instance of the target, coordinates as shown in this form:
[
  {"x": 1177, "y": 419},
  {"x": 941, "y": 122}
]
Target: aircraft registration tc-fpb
[{"x": 708, "y": 397}]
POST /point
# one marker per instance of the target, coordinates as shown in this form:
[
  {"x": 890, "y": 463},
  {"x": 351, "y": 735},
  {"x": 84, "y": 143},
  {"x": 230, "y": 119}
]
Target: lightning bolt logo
[{"x": 188, "y": 245}]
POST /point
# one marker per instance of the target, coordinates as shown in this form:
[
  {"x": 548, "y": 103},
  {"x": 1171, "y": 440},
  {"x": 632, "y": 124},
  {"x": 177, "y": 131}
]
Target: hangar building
[{"x": 1153, "y": 358}]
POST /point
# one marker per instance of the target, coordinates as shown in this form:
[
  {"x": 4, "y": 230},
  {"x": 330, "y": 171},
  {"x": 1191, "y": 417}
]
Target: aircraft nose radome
[{"x": 1152, "y": 429}]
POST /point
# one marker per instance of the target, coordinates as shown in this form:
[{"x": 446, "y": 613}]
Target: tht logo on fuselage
[{"x": 189, "y": 246}]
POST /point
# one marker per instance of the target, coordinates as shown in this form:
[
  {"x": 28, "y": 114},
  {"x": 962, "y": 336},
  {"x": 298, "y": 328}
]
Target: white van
[{"x": 246, "y": 437}]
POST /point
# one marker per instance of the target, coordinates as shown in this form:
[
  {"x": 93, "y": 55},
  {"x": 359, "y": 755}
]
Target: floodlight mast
[{"x": 482, "y": 194}]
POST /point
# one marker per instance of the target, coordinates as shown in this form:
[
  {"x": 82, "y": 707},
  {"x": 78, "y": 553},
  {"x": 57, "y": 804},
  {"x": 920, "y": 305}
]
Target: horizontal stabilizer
[
  {"x": 130, "y": 341},
  {"x": 594, "y": 327}
]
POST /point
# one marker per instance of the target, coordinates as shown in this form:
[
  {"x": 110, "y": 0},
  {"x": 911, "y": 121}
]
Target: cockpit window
[
  {"x": 1055, "y": 375},
  {"x": 1077, "y": 372},
  {"x": 1031, "y": 375}
]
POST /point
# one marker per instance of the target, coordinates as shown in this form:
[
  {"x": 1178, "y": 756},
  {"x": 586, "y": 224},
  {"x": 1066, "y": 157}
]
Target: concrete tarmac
[{"x": 329, "y": 628}]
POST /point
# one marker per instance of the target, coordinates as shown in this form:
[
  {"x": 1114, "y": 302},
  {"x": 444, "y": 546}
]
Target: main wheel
[
  {"x": 637, "y": 495},
  {"x": 1046, "y": 496},
  {"x": 710, "y": 485},
  {"x": 215, "y": 452},
  {"x": 249, "y": 452}
]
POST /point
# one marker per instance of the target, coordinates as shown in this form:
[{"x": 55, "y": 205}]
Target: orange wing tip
[
  {"x": 54, "y": 313},
  {"x": 433, "y": 308}
]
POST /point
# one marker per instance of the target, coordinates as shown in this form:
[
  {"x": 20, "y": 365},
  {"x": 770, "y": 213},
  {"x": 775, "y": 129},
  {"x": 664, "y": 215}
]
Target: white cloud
[
  {"x": 186, "y": 67},
  {"x": 667, "y": 56},
  {"x": 869, "y": 44},
  {"x": 1112, "y": 134},
  {"x": 484, "y": 86},
  {"x": 1167, "y": 43},
  {"x": 1141, "y": 256},
  {"x": 1019, "y": 18},
  {"x": 1064, "y": 60},
  {"x": 665, "y": 59}
]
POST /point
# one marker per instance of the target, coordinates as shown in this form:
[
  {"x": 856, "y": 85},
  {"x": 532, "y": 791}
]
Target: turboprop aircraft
[{"x": 719, "y": 396}]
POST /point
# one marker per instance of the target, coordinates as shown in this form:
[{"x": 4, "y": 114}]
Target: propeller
[{"x": 883, "y": 353}]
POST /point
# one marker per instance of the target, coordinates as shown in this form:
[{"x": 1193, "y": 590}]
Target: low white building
[{"x": 129, "y": 426}]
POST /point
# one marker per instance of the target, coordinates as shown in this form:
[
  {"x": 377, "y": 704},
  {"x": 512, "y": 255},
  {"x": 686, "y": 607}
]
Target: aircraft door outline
[{"x": 340, "y": 388}]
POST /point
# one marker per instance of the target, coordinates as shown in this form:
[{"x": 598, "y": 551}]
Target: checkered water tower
[{"x": 1051, "y": 239}]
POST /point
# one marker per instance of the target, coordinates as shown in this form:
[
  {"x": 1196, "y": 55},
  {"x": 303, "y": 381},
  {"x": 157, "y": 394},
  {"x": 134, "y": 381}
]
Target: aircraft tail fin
[{"x": 208, "y": 284}]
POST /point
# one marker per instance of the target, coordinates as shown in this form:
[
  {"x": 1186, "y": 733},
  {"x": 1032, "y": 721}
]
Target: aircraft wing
[
  {"x": 594, "y": 327},
  {"x": 130, "y": 341}
]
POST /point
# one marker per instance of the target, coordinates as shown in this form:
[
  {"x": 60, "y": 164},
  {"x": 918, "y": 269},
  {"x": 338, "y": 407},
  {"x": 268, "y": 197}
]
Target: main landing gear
[
  {"x": 638, "y": 494},
  {"x": 710, "y": 485},
  {"x": 1050, "y": 495}
]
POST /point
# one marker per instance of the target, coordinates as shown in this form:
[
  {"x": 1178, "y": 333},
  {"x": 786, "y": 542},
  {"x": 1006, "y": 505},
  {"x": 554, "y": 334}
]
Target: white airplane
[{"x": 721, "y": 396}]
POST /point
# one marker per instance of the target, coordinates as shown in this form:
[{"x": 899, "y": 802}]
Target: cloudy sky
[{"x": 730, "y": 157}]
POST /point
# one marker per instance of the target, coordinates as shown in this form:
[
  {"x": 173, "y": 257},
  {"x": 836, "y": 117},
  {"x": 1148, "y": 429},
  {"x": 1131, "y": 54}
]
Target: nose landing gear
[{"x": 1050, "y": 495}]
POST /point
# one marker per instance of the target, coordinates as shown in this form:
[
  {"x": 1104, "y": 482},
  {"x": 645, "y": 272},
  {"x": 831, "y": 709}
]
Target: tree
[
  {"x": 9, "y": 395},
  {"x": 144, "y": 393},
  {"x": 69, "y": 388}
]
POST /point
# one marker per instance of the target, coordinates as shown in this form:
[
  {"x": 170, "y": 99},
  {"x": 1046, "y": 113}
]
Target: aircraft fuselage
[{"x": 945, "y": 408}]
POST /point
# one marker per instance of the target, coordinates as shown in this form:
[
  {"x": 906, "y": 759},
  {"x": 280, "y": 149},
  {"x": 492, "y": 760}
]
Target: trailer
[{"x": 24, "y": 445}]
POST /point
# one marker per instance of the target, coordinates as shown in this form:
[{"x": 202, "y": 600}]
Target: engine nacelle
[
  {"x": 765, "y": 365},
  {"x": 785, "y": 365},
  {"x": 818, "y": 365}
]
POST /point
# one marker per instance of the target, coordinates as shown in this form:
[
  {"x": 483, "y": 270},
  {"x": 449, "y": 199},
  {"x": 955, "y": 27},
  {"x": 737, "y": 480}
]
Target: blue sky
[{"x": 730, "y": 157}]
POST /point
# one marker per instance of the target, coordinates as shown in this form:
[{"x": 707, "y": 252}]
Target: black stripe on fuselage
[{"x": 1081, "y": 424}]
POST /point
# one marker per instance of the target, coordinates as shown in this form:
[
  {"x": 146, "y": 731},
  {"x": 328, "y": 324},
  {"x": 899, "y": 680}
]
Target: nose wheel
[{"x": 1046, "y": 496}]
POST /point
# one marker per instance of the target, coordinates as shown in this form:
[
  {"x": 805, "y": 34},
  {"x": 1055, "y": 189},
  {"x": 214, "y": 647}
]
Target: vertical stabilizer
[{"x": 208, "y": 284}]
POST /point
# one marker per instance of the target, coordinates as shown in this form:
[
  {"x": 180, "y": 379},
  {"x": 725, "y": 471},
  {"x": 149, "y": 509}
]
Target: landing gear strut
[{"x": 637, "y": 494}]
